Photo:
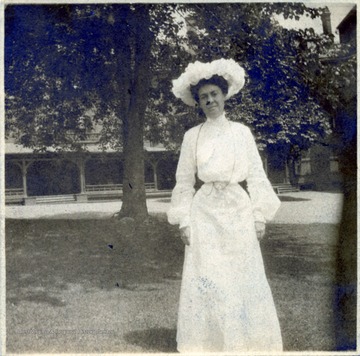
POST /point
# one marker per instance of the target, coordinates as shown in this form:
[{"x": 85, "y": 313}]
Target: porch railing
[
  {"x": 114, "y": 187},
  {"x": 14, "y": 195},
  {"x": 14, "y": 191}
]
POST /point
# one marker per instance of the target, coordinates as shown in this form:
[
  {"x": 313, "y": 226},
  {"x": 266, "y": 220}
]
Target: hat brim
[{"x": 231, "y": 71}]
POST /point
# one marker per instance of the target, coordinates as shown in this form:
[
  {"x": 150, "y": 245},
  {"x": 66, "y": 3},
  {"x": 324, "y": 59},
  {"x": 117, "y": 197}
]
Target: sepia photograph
[{"x": 180, "y": 177}]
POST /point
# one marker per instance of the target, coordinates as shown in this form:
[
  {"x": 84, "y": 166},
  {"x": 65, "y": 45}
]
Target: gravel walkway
[{"x": 297, "y": 208}]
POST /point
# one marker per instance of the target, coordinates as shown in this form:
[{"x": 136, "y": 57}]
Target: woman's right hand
[{"x": 185, "y": 235}]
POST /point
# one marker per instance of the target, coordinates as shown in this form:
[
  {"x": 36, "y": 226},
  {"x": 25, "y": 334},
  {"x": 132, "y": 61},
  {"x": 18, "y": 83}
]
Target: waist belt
[{"x": 220, "y": 185}]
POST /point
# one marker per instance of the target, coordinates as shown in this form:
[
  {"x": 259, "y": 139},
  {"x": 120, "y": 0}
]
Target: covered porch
[{"x": 38, "y": 178}]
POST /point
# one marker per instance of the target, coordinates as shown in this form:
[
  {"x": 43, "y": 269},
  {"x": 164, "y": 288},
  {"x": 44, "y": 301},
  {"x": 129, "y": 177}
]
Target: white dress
[{"x": 225, "y": 301}]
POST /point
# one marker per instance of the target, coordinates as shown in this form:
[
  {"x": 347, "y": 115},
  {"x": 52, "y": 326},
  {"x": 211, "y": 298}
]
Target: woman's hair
[{"x": 214, "y": 80}]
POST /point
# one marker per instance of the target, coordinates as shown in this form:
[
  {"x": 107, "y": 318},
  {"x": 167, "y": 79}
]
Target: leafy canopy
[
  {"x": 280, "y": 101},
  {"x": 69, "y": 67}
]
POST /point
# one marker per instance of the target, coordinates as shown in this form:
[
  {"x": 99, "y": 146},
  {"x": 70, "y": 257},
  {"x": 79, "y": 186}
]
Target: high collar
[{"x": 219, "y": 121}]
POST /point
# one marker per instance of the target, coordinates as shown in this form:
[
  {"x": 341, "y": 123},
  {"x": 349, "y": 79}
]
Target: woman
[{"x": 225, "y": 302}]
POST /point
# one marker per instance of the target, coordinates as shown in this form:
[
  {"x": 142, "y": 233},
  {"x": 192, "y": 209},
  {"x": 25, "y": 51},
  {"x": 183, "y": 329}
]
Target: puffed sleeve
[
  {"x": 263, "y": 198},
  {"x": 182, "y": 195}
]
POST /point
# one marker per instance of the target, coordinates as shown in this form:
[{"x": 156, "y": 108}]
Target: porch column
[
  {"x": 82, "y": 176},
  {"x": 24, "y": 168},
  {"x": 154, "y": 165},
  {"x": 82, "y": 196},
  {"x": 287, "y": 174}
]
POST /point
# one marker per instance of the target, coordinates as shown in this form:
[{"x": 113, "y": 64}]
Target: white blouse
[{"x": 221, "y": 151}]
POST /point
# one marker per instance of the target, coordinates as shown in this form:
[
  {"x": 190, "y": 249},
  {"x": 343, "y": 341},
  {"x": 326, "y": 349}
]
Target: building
[
  {"x": 94, "y": 174},
  {"x": 320, "y": 167},
  {"x": 347, "y": 28}
]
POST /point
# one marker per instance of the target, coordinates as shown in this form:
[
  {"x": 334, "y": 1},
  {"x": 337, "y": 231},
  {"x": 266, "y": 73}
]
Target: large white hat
[{"x": 231, "y": 71}]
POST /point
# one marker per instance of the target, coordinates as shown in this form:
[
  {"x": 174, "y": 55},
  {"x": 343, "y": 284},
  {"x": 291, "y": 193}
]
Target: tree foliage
[
  {"x": 279, "y": 101},
  {"x": 69, "y": 67}
]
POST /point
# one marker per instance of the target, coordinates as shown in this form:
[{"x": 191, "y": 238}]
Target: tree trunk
[
  {"x": 134, "y": 197},
  {"x": 346, "y": 291}
]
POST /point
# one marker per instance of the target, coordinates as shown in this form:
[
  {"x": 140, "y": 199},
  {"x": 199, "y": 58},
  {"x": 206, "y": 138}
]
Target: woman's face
[{"x": 211, "y": 100}]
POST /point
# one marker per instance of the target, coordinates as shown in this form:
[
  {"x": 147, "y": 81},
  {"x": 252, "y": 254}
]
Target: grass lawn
[{"x": 105, "y": 286}]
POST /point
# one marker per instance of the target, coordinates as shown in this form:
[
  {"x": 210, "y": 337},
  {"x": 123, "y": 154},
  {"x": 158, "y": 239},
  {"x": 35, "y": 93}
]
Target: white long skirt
[{"x": 226, "y": 303}]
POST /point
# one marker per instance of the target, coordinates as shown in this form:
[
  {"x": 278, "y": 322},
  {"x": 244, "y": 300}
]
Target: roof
[
  {"x": 344, "y": 22},
  {"x": 14, "y": 148}
]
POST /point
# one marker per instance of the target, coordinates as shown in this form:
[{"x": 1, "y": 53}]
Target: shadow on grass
[
  {"x": 38, "y": 297},
  {"x": 154, "y": 340},
  {"x": 291, "y": 199},
  {"x": 301, "y": 252},
  {"x": 104, "y": 254}
]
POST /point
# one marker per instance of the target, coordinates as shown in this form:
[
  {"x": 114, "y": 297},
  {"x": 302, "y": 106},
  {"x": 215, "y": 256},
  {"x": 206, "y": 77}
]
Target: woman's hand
[
  {"x": 260, "y": 229},
  {"x": 185, "y": 235}
]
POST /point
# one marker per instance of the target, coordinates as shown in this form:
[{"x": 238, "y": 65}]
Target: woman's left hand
[{"x": 260, "y": 229}]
